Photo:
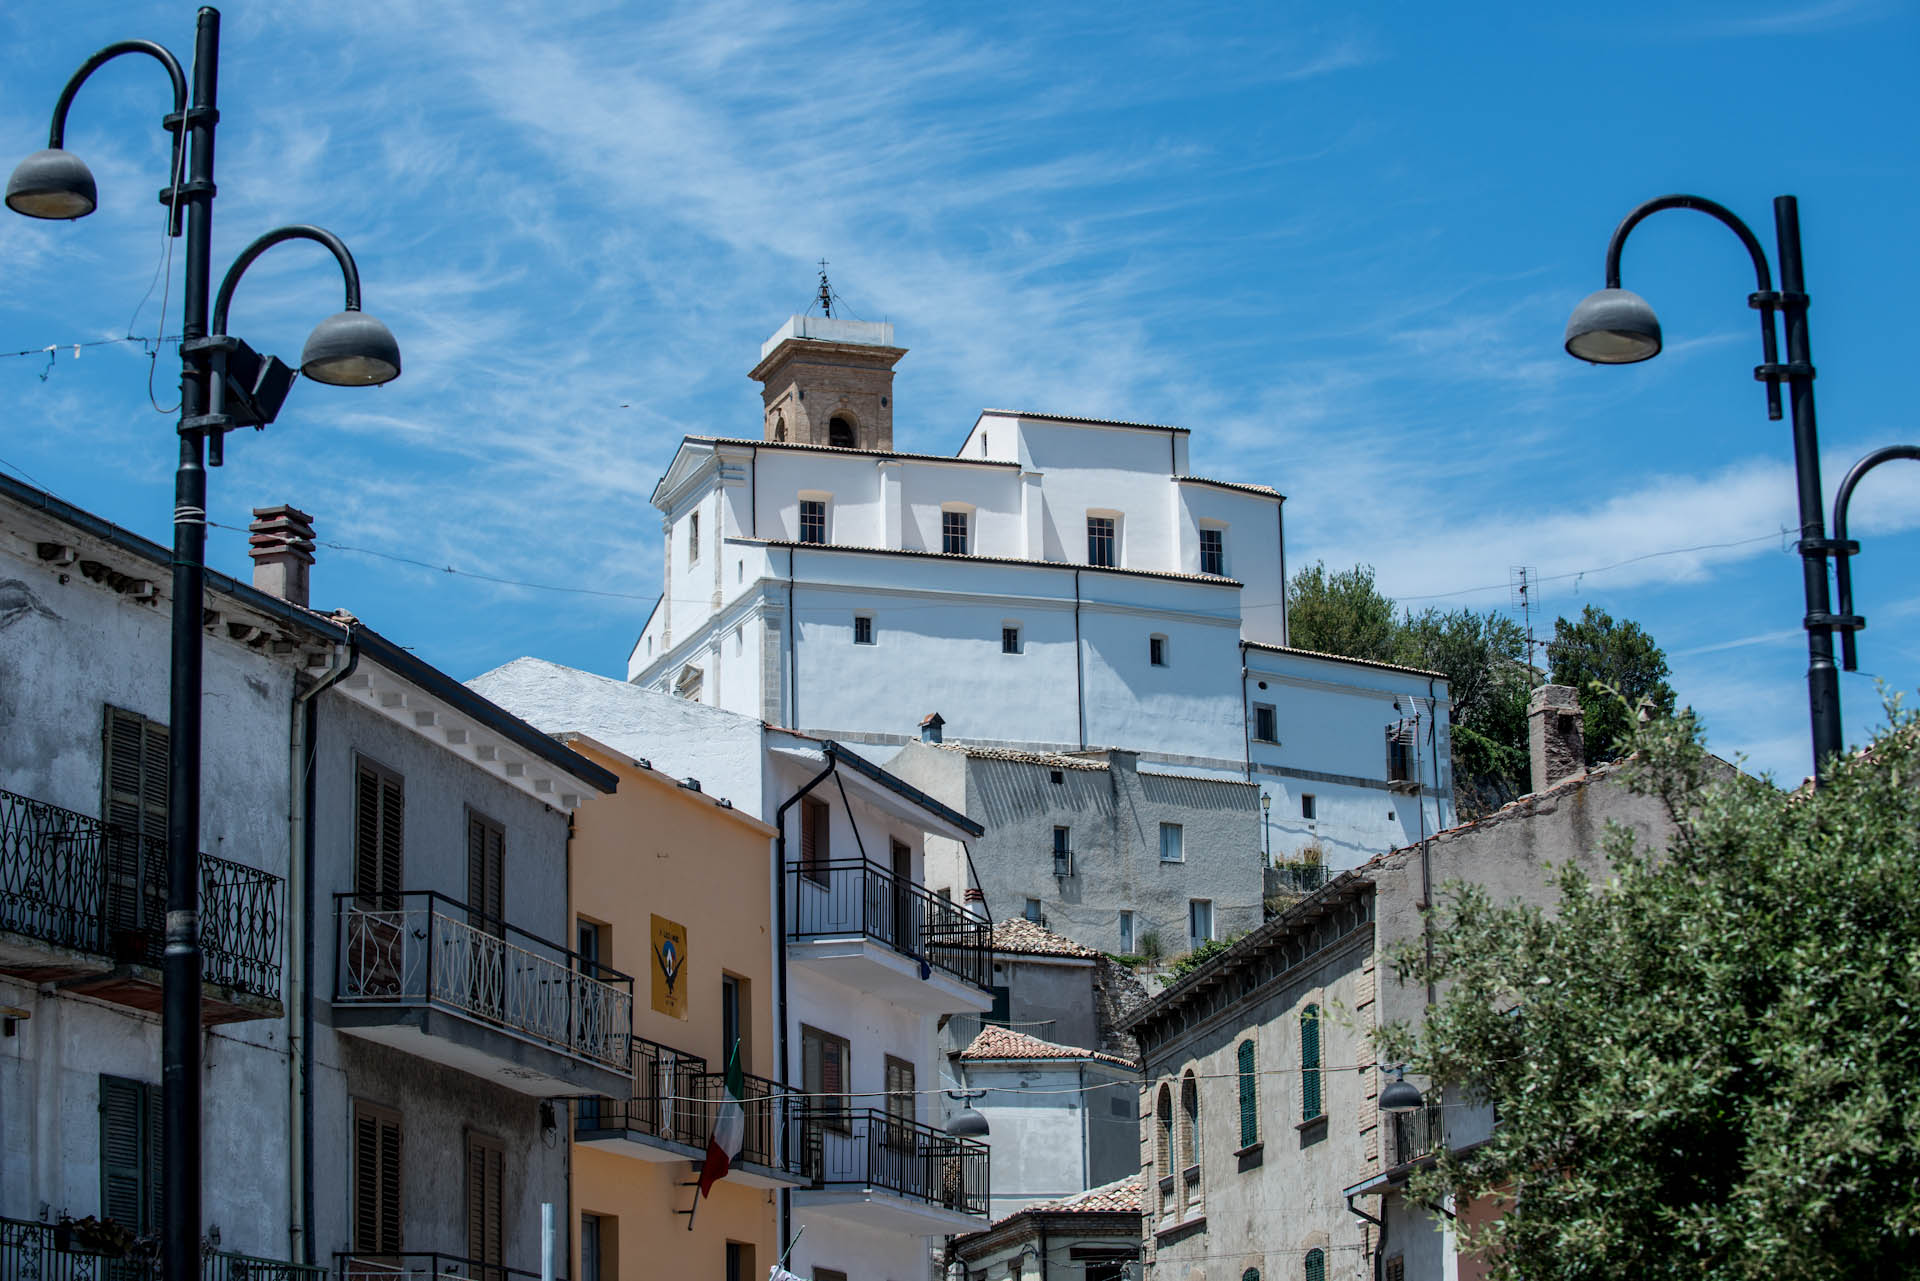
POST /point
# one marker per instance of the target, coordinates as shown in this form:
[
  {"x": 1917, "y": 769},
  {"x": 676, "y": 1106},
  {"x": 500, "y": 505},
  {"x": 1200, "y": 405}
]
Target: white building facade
[{"x": 1057, "y": 585}]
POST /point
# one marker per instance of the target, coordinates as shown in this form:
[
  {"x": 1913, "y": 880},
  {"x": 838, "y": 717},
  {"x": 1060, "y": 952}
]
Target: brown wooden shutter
[
  {"x": 130, "y": 1153},
  {"x": 899, "y": 1090},
  {"x": 376, "y": 1181},
  {"x": 487, "y": 872},
  {"x": 134, "y": 801},
  {"x": 486, "y": 1211},
  {"x": 378, "y": 837},
  {"x": 814, "y": 848}
]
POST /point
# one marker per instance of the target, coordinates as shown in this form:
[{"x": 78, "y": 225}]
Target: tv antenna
[{"x": 1523, "y": 582}]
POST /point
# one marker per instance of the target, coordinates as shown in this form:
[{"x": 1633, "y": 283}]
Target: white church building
[{"x": 1057, "y": 585}]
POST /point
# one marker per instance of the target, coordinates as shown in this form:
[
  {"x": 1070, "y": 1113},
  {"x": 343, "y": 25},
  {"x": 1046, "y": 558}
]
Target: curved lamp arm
[
  {"x": 1765, "y": 300},
  {"x": 57, "y": 135},
  {"x": 319, "y": 235},
  {"x": 1843, "y": 576}
]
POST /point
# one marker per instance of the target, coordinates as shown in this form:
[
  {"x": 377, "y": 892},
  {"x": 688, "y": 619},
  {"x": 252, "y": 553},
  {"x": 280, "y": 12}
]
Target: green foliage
[
  {"x": 1710, "y": 1065},
  {"x": 1185, "y": 965},
  {"x": 1340, "y": 613},
  {"x": 1618, "y": 656},
  {"x": 1151, "y": 949}
]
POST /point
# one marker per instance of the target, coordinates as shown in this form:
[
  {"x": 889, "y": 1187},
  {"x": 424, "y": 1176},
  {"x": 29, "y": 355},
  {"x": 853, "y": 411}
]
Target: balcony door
[
  {"x": 903, "y": 932},
  {"x": 376, "y": 932},
  {"x": 485, "y": 948},
  {"x": 134, "y": 777},
  {"x": 486, "y": 1206}
]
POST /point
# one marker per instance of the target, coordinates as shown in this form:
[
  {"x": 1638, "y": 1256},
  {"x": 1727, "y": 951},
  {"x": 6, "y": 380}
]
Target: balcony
[
  {"x": 858, "y": 923},
  {"x": 83, "y": 905},
  {"x": 1412, "y": 1135},
  {"x": 669, "y": 1113},
  {"x": 431, "y": 976},
  {"x": 892, "y": 1174},
  {"x": 420, "y": 1265},
  {"x": 32, "y": 1251}
]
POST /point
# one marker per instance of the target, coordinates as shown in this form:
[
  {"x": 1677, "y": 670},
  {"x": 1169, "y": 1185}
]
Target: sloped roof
[
  {"x": 1122, "y": 1195},
  {"x": 1057, "y": 760},
  {"x": 1020, "y": 935},
  {"x": 1000, "y": 1044}
]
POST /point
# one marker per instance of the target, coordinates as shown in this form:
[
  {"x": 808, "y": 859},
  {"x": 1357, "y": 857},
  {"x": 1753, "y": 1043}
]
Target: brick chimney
[
  {"x": 930, "y": 727},
  {"x": 281, "y": 543},
  {"x": 1554, "y": 735}
]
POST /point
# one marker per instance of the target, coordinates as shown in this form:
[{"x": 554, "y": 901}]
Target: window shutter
[
  {"x": 376, "y": 1181},
  {"x": 1310, "y": 1063},
  {"x": 378, "y": 837},
  {"x": 1249, "y": 1098},
  {"x": 1316, "y": 1266},
  {"x": 1163, "y": 1134},
  {"x": 390, "y": 1239},
  {"x": 134, "y": 802},
  {"x": 485, "y": 1208},
  {"x": 129, "y": 1194},
  {"x": 392, "y": 838},
  {"x": 487, "y": 871}
]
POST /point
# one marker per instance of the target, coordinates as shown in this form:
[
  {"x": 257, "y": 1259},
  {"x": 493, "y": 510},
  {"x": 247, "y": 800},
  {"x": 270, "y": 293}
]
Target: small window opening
[
  {"x": 863, "y": 629},
  {"x": 840, "y": 432}
]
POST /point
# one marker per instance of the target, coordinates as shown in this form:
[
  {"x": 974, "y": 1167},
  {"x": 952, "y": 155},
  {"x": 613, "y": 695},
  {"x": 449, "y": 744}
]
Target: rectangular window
[
  {"x": 1126, "y": 933},
  {"x": 1172, "y": 843},
  {"x": 591, "y": 942},
  {"x": 736, "y": 1014},
  {"x": 1002, "y": 1010},
  {"x": 740, "y": 1265},
  {"x": 599, "y": 1248},
  {"x": 486, "y": 1199},
  {"x": 376, "y": 1180},
  {"x": 130, "y": 1153},
  {"x": 134, "y": 779},
  {"x": 899, "y": 1086},
  {"x": 486, "y": 874},
  {"x": 953, "y": 533},
  {"x": 1033, "y": 910},
  {"x": 1199, "y": 921},
  {"x": 1100, "y": 540},
  {"x": 813, "y": 520},
  {"x": 379, "y": 832},
  {"x": 815, "y": 847},
  {"x": 1249, "y": 1096},
  {"x": 863, "y": 629},
  {"x": 1213, "y": 551},
  {"x": 1062, "y": 852},
  {"x": 1400, "y": 753},
  {"x": 1009, "y": 640},
  {"x": 1157, "y": 651},
  {"x": 693, "y": 538},
  {"x": 1306, "y": 805},
  {"x": 823, "y": 1074},
  {"x": 1266, "y": 726}
]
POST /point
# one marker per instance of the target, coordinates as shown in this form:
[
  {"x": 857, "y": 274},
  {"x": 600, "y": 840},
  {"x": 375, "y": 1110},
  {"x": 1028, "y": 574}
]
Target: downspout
[
  {"x": 1426, "y": 843},
  {"x": 753, "y": 494},
  {"x": 302, "y": 754},
  {"x": 1280, "y": 511},
  {"x": 1246, "y": 730},
  {"x": 793, "y": 656},
  {"x": 1079, "y": 677},
  {"x": 1379, "y": 1254},
  {"x": 780, "y": 969}
]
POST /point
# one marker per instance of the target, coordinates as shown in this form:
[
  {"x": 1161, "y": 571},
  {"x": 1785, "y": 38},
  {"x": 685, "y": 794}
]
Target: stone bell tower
[{"x": 827, "y": 381}]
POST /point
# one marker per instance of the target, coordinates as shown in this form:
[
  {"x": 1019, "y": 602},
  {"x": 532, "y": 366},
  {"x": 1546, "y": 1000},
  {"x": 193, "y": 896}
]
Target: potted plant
[{"x": 103, "y": 1237}]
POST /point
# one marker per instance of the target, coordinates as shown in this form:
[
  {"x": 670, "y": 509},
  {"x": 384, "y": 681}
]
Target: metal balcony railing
[
  {"x": 1302, "y": 878},
  {"x": 32, "y": 1251},
  {"x": 422, "y": 948},
  {"x": 666, "y": 1100},
  {"x": 1412, "y": 1135},
  {"x": 421, "y": 1265},
  {"x": 854, "y": 896},
  {"x": 871, "y": 1148},
  {"x": 768, "y": 1108},
  {"x": 71, "y": 880}
]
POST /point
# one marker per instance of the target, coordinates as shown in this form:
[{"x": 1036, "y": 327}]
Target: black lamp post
[
  {"x": 1266, "y": 827},
  {"x": 224, "y": 384},
  {"x": 1617, "y": 327}
]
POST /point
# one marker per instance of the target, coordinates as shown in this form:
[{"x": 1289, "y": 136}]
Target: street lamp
[
  {"x": 1845, "y": 549},
  {"x": 1399, "y": 1096},
  {"x": 224, "y": 384},
  {"x": 967, "y": 1123},
  {"x": 1618, "y": 327},
  {"x": 1266, "y": 825}
]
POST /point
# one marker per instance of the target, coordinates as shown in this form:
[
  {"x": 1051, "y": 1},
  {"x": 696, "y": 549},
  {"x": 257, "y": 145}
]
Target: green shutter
[
  {"x": 1249, "y": 1098},
  {"x": 130, "y": 1153},
  {"x": 1316, "y": 1267},
  {"x": 1251, "y": 1274},
  {"x": 1310, "y": 1063}
]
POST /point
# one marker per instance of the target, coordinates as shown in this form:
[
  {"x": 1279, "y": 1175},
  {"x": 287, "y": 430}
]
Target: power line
[{"x": 1601, "y": 569}]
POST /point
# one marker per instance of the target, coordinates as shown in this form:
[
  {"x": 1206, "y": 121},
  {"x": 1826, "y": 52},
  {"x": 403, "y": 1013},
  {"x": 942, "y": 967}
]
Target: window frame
[
  {"x": 1195, "y": 908},
  {"x": 693, "y": 538},
  {"x": 1101, "y": 540},
  {"x": 831, "y": 1108},
  {"x": 1246, "y": 1055},
  {"x": 1312, "y": 1104},
  {"x": 1218, "y": 535},
  {"x": 1062, "y": 850},
  {"x": 956, "y": 531},
  {"x": 863, "y": 629},
  {"x": 1011, "y": 641},
  {"x": 1157, "y": 650},
  {"x": 813, "y": 512},
  {"x": 1178, "y": 844},
  {"x": 816, "y": 840},
  {"x": 389, "y": 1195},
  {"x": 1309, "y": 807},
  {"x": 1270, "y": 733}
]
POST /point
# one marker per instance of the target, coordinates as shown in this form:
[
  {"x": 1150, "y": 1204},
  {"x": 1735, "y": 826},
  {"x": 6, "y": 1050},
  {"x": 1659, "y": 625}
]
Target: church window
[
  {"x": 693, "y": 538},
  {"x": 813, "y": 520},
  {"x": 953, "y": 533},
  {"x": 840, "y": 432},
  {"x": 779, "y": 426},
  {"x": 1100, "y": 540}
]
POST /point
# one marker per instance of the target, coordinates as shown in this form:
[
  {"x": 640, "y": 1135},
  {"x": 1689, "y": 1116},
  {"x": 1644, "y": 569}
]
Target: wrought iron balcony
[
  {"x": 1412, "y": 1135},
  {"x": 79, "y": 885},
  {"x": 1301, "y": 878},
  {"x": 671, "y": 1111},
  {"x": 854, "y": 897},
  {"x": 423, "y": 1265},
  {"x": 875, "y": 1150},
  {"x": 419, "y": 950},
  {"x": 32, "y": 1251}
]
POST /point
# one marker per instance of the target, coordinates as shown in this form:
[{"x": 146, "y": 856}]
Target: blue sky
[{"x": 1338, "y": 242}]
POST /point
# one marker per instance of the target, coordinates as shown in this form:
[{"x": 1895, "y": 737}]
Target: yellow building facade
[{"x": 673, "y": 887}]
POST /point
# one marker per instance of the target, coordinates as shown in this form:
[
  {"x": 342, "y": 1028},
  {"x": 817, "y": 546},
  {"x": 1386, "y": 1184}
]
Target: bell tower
[{"x": 827, "y": 381}]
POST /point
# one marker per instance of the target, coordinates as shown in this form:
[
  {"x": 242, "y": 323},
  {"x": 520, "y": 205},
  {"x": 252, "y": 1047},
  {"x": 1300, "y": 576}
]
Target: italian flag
[{"x": 729, "y": 1128}]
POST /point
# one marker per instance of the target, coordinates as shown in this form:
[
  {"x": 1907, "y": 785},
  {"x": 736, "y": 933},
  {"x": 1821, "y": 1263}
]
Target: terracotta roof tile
[
  {"x": 1055, "y": 759},
  {"x": 1000, "y": 1043},
  {"x": 1122, "y": 1195},
  {"x": 1023, "y": 936}
]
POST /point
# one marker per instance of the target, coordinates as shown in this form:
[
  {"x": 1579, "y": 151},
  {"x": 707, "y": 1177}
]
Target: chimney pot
[
  {"x": 1555, "y": 738},
  {"x": 280, "y": 540}
]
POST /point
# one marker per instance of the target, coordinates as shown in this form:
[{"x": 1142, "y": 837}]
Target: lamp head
[
  {"x": 53, "y": 183},
  {"x": 1613, "y": 327},
  {"x": 351, "y": 349},
  {"x": 1399, "y": 1096},
  {"x": 968, "y": 1124}
]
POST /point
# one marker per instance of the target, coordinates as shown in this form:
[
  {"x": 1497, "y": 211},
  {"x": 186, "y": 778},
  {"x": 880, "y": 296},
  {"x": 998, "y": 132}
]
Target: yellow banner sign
[{"x": 669, "y": 967}]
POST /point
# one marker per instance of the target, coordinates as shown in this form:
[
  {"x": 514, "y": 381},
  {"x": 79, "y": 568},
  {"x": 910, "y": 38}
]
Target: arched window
[
  {"x": 840, "y": 431},
  {"x": 1310, "y": 1063},
  {"x": 1249, "y": 1097},
  {"x": 1163, "y": 1133},
  {"x": 1251, "y": 1274},
  {"x": 779, "y": 426},
  {"x": 1315, "y": 1268},
  {"x": 1189, "y": 1122}
]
